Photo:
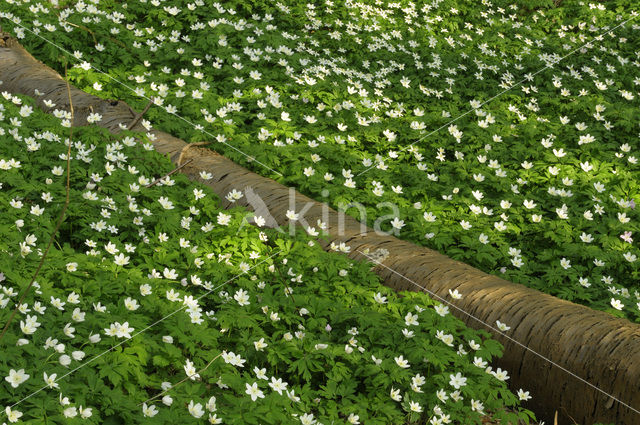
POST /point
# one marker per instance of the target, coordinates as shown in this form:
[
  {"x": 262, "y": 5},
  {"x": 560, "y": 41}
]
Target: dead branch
[
  {"x": 168, "y": 174},
  {"x": 139, "y": 116}
]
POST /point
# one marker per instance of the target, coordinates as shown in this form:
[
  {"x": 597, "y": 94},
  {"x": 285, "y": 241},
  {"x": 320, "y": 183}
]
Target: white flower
[
  {"x": 407, "y": 333},
  {"x": 411, "y": 319},
  {"x": 73, "y": 298},
  {"x": 223, "y": 219},
  {"x": 37, "y": 210},
  {"x": 232, "y": 358},
  {"x": 415, "y": 407},
  {"x": 500, "y": 226},
  {"x": 500, "y": 374},
  {"x": 379, "y": 298},
  {"x": 166, "y": 203},
  {"x": 131, "y": 304},
  {"x": 585, "y": 139},
  {"x": 149, "y": 411},
  {"x": 195, "y": 409},
  {"x": 477, "y": 361},
  {"x": 523, "y": 395},
  {"x": 277, "y": 385},
  {"x": 50, "y": 380},
  {"x": 205, "y": 175},
  {"x": 242, "y": 297},
  {"x": 503, "y": 327},
  {"x": 260, "y": 345},
  {"x": 170, "y": 274},
  {"x": 291, "y": 215},
  {"x": 119, "y": 330},
  {"x": 307, "y": 419},
  {"x": 395, "y": 394},
  {"x": 457, "y": 381},
  {"x": 12, "y": 415},
  {"x": 233, "y": 196},
  {"x": 441, "y": 309},
  {"x": 198, "y": 193},
  {"x": 70, "y": 412},
  {"x": 254, "y": 391},
  {"x": 465, "y": 224},
  {"x": 145, "y": 289},
  {"x": 190, "y": 370},
  {"x": 211, "y": 404},
  {"x": 260, "y": 373},
  {"x": 65, "y": 360},
  {"x": 16, "y": 378},
  {"x": 616, "y": 304},
  {"x": 121, "y": 260},
  {"x": 476, "y": 406},
  {"x": 455, "y": 294},
  {"x": 400, "y": 361},
  {"x": 586, "y": 238},
  {"x": 64, "y": 401},
  {"x": 93, "y": 118},
  {"x": 396, "y": 223},
  {"x": 214, "y": 419}
]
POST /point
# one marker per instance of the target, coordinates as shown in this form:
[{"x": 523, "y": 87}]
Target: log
[{"x": 573, "y": 343}]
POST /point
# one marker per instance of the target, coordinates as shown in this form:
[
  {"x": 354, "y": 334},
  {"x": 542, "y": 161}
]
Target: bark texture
[{"x": 593, "y": 345}]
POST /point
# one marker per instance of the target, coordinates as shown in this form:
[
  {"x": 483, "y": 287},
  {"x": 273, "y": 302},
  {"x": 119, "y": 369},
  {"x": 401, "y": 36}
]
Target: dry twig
[
  {"x": 82, "y": 27},
  {"x": 139, "y": 116},
  {"x": 168, "y": 174}
]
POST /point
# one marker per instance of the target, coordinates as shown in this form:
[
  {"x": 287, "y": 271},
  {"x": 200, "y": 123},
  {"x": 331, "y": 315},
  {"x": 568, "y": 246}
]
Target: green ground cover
[
  {"x": 358, "y": 100},
  {"x": 155, "y": 292}
]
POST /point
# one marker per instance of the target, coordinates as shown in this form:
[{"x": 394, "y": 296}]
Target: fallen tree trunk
[{"x": 575, "y": 340}]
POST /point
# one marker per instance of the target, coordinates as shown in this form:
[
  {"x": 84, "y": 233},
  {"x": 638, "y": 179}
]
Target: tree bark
[{"x": 591, "y": 344}]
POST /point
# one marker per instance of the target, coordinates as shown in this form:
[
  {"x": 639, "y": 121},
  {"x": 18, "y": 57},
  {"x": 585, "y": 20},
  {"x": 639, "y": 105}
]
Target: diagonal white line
[
  {"x": 251, "y": 158},
  {"x": 139, "y": 332},
  {"x": 434, "y": 295},
  {"x": 598, "y": 38}
]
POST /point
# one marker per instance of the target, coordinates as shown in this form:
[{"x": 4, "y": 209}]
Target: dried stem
[
  {"x": 95, "y": 41},
  {"x": 58, "y": 224},
  {"x": 82, "y": 27},
  {"x": 169, "y": 173},
  {"x": 139, "y": 116}
]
